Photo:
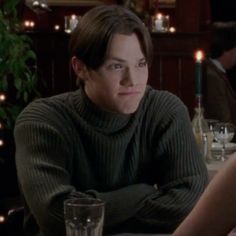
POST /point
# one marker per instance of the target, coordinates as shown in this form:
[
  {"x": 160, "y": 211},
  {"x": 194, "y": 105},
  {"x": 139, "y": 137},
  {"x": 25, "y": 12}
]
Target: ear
[{"x": 79, "y": 68}]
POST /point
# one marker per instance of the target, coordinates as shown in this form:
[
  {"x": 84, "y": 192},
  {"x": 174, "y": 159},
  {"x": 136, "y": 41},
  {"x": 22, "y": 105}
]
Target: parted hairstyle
[
  {"x": 90, "y": 40},
  {"x": 223, "y": 38}
]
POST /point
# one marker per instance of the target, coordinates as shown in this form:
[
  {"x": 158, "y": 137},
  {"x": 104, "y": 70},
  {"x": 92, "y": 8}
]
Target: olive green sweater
[{"x": 145, "y": 166}]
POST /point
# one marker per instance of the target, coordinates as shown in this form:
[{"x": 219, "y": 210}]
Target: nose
[{"x": 129, "y": 77}]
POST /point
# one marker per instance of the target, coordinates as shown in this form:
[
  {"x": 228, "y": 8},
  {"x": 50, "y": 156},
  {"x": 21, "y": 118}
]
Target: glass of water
[
  {"x": 84, "y": 216},
  {"x": 223, "y": 133}
]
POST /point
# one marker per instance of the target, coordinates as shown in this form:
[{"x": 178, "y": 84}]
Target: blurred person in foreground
[
  {"x": 115, "y": 138},
  {"x": 220, "y": 98},
  {"x": 215, "y": 213}
]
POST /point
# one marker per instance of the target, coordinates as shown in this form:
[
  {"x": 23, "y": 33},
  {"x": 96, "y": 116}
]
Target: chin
[{"x": 129, "y": 110}]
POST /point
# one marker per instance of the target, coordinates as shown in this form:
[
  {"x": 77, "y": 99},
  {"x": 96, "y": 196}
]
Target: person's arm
[
  {"x": 181, "y": 174},
  {"x": 215, "y": 213},
  {"x": 45, "y": 179}
]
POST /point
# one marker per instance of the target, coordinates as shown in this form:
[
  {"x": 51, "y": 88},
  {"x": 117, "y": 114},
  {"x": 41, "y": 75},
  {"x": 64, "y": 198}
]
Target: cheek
[{"x": 143, "y": 75}]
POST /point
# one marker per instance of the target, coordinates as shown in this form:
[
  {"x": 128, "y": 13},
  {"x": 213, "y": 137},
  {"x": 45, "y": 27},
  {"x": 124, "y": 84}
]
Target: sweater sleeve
[
  {"x": 46, "y": 182},
  {"x": 181, "y": 179},
  {"x": 45, "y": 179}
]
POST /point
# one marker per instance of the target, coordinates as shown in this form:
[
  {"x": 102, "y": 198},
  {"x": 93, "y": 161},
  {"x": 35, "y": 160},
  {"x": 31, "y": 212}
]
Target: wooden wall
[
  {"x": 172, "y": 69},
  {"x": 173, "y": 66}
]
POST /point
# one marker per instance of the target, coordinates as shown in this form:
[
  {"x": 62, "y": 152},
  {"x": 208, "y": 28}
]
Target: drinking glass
[
  {"x": 210, "y": 138},
  {"x": 223, "y": 133},
  {"x": 84, "y": 216}
]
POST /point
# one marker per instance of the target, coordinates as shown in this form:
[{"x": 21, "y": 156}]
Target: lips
[{"x": 129, "y": 93}]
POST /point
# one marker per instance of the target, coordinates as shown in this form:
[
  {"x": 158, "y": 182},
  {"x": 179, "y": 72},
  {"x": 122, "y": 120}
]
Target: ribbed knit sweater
[{"x": 145, "y": 166}]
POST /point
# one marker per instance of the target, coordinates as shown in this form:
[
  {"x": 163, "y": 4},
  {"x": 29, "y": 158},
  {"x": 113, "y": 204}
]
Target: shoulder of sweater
[
  {"x": 162, "y": 99},
  {"x": 43, "y": 108},
  {"x": 163, "y": 107}
]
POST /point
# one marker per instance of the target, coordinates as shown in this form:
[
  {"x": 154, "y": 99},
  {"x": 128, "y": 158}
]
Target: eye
[
  {"x": 115, "y": 66},
  {"x": 142, "y": 64}
]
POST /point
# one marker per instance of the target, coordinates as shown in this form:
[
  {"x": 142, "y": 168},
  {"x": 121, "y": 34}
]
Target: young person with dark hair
[{"x": 115, "y": 138}]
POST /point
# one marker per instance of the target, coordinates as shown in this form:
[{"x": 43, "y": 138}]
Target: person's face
[{"x": 119, "y": 84}]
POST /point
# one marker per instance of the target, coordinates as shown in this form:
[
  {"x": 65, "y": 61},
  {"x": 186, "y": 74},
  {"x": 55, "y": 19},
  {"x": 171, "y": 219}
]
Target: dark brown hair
[
  {"x": 91, "y": 38},
  {"x": 223, "y": 38}
]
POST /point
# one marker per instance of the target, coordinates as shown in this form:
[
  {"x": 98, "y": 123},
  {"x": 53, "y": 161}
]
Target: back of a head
[
  {"x": 223, "y": 38},
  {"x": 92, "y": 36}
]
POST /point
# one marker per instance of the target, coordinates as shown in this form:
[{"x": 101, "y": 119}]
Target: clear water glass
[{"x": 84, "y": 217}]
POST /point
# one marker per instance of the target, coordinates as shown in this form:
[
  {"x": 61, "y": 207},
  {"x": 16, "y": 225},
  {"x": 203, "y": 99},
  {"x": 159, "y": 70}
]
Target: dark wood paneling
[
  {"x": 173, "y": 65},
  {"x": 52, "y": 62},
  {"x": 172, "y": 68}
]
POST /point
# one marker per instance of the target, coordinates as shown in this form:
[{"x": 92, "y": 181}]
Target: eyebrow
[{"x": 122, "y": 60}]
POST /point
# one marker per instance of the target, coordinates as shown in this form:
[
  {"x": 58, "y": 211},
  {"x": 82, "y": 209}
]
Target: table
[
  {"x": 130, "y": 234},
  {"x": 213, "y": 167}
]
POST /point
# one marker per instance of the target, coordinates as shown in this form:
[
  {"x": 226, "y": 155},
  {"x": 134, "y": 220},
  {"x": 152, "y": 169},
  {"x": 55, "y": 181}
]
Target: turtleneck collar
[{"x": 101, "y": 119}]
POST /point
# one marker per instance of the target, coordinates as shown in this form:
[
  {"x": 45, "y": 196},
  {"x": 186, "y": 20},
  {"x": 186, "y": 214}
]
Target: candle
[
  {"x": 172, "y": 29},
  {"x": 27, "y": 23},
  {"x": 73, "y": 22},
  {"x": 1, "y": 142},
  {"x": 2, "y": 97},
  {"x": 32, "y": 24},
  {"x": 159, "y": 22},
  {"x": 198, "y": 72},
  {"x": 56, "y": 27}
]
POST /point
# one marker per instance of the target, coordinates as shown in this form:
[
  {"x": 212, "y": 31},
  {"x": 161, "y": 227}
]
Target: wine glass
[
  {"x": 223, "y": 133},
  {"x": 210, "y": 138}
]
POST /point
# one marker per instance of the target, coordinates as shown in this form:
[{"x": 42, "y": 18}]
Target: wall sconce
[{"x": 38, "y": 6}]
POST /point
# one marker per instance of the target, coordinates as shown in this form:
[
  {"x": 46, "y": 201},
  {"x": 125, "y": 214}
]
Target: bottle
[{"x": 201, "y": 131}]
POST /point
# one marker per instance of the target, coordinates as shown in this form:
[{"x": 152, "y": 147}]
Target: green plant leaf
[{"x": 18, "y": 77}]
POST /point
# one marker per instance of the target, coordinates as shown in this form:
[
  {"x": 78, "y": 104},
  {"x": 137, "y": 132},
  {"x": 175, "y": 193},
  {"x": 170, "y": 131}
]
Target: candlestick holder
[
  {"x": 71, "y": 23},
  {"x": 160, "y": 23}
]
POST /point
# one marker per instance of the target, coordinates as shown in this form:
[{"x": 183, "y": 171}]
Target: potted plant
[
  {"x": 18, "y": 79},
  {"x": 18, "y": 82}
]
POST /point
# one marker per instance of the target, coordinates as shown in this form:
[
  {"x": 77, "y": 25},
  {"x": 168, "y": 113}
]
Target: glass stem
[{"x": 223, "y": 152}]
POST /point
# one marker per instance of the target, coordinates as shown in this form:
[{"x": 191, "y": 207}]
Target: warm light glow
[
  {"x": 1, "y": 126},
  {"x": 56, "y": 27},
  {"x": 2, "y": 97},
  {"x": 199, "y": 55},
  {"x": 2, "y": 219},
  {"x": 43, "y": 5},
  {"x": 73, "y": 17},
  {"x": 27, "y": 23},
  {"x": 172, "y": 29},
  {"x": 1, "y": 142},
  {"x": 159, "y": 16},
  {"x": 68, "y": 31},
  {"x": 35, "y": 3},
  {"x": 32, "y": 24}
]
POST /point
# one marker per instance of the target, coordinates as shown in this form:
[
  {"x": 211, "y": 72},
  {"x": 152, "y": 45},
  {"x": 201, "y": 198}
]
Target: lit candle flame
[
  {"x": 172, "y": 29},
  {"x": 2, "y": 219},
  {"x": 1, "y": 142},
  {"x": 199, "y": 55},
  {"x": 27, "y": 23},
  {"x": 2, "y": 97},
  {"x": 32, "y": 24},
  {"x": 159, "y": 16},
  {"x": 56, "y": 27}
]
